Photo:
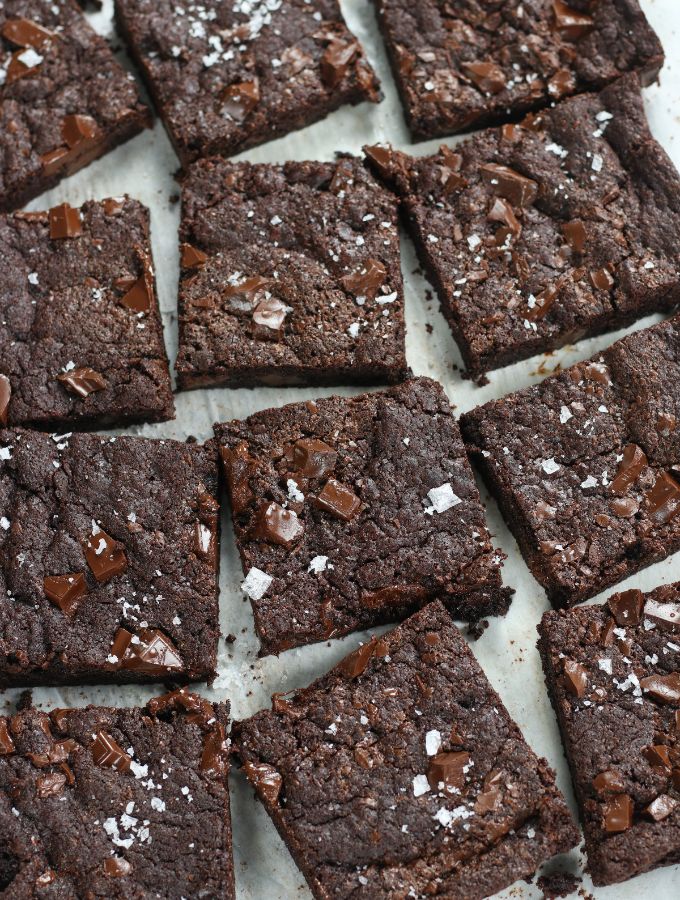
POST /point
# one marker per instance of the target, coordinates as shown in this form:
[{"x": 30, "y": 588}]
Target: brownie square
[
  {"x": 354, "y": 511},
  {"x": 539, "y": 234},
  {"x": 81, "y": 339},
  {"x": 613, "y": 676},
  {"x": 290, "y": 275},
  {"x": 108, "y": 559},
  {"x": 459, "y": 64},
  {"x": 65, "y": 101},
  {"x": 228, "y": 76},
  {"x": 401, "y": 774},
  {"x": 102, "y": 802},
  {"x": 585, "y": 465}
]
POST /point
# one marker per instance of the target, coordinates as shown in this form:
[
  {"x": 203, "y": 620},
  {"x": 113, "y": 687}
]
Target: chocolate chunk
[
  {"x": 658, "y": 757},
  {"x": 367, "y": 280},
  {"x": 83, "y": 381},
  {"x": 571, "y": 24},
  {"x": 448, "y": 768},
  {"x": 602, "y": 279},
  {"x": 215, "y": 756},
  {"x": 105, "y": 556},
  {"x": 520, "y": 191},
  {"x": 488, "y": 77},
  {"x": 116, "y": 867},
  {"x": 338, "y": 500},
  {"x": 197, "y": 709},
  {"x": 77, "y": 130},
  {"x": 561, "y": 84},
  {"x": 278, "y": 526},
  {"x": 664, "y": 688},
  {"x": 608, "y": 782},
  {"x": 664, "y": 615},
  {"x": 26, "y": 33},
  {"x": 335, "y": 61},
  {"x": 661, "y": 808},
  {"x": 107, "y": 753},
  {"x": 355, "y": 663},
  {"x": 138, "y": 298},
  {"x": 666, "y": 423},
  {"x": 5, "y": 396},
  {"x": 66, "y": 591},
  {"x": 618, "y": 814},
  {"x": 149, "y": 651},
  {"x": 381, "y": 158},
  {"x": 6, "y": 742},
  {"x": 248, "y": 290},
  {"x": 192, "y": 257},
  {"x": 265, "y": 779},
  {"x": 50, "y": 785},
  {"x": 626, "y": 607},
  {"x": 624, "y": 507},
  {"x": 664, "y": 499},
  {"x": 240, "y": 466},
  {"x": 396, "y": 595},
  {"x": 575, "y": 235},
  {"x": 313, "y": 458},
  {"x": 575, "y": 678},
  {"x": 269, "y": 315},
  {"x": 239, "y": 100},
  {"x": 65, "y": 222},
  {"x": 502, "y": 211}
]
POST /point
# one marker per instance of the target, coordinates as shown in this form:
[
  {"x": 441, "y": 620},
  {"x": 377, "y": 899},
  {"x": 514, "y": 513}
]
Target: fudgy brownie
[
  {"x": 290, "y": 275},
  {"x": 460, "y": 64},
  {"x": 228, "y": 76},
  {"x": 108, "y": 559},
  {"x": 613, "y": 674},
  {"x": 65, "y": 101},
  {"x": 354, "y": 511},
  {"x": 400, "y": 773},
  {"x": 536, "y": 235},
  {"x": 586, "y": 465},
  {"x": 81, "y": 339},
  {"x": 121, "y": 803}
]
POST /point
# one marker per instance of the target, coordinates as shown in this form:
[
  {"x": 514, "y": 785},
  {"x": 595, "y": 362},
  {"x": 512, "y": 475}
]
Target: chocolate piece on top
[
  {"x": 399, "y": 760},
  {"x": 354, "y": 511}
]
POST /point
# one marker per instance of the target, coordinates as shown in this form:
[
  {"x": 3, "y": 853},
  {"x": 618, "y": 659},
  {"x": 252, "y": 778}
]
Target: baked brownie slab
[
  {"x": 613, "y": 673},
  {"x": 81, "y": 340},
  {"x": 460, "y": 64},
  {"x": 536, "y": 235},
  {"x": 102, "y": 802},
  {"x": 228, "y": 76},
  {"x": 401, "y": 774},
  {"x": 64, "y": 100},
  {"x": 290, "y": 275},
  {"x": 354, "y": 511},
  {"x": 585, "y": 465},
  {"x": 108, "y": 559}
]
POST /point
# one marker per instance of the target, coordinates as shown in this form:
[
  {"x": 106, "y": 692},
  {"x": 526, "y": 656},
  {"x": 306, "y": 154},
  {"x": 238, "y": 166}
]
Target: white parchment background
[{"x": 144, "y": 168}]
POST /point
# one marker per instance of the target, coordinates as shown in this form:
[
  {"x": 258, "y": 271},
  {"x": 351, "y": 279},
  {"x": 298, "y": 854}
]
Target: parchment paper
[{"x": 144, "y": 168}]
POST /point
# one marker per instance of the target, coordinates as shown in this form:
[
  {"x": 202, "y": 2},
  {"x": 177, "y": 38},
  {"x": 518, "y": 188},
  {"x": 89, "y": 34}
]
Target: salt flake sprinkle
[
  {"x": 256, "y": 583},
  {"x": 442, "y": 498},
  {"x": 420, "y": 785},
  {"x": 433, "y": 742}
]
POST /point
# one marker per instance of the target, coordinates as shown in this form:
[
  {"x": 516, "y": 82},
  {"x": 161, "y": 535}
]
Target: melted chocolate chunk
[
  {"x": 313, "y": 458},
  {"x": 265, "y": 779},
  {"x": 278, "y": 526},
  {"x": 105, "y": 556},
  {"x": 66, "y": 591},
  {"x": 617, "y": 814},
  {"x": 338, "y": 500},
  {"x": 107, "y": 753},
  {"x": 83, "y": 381},
  {"x": 148, "y": 651}
]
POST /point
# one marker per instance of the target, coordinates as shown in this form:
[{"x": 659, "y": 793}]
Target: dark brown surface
[
  {"x": 291, "y": 275},
  {"x": 81, "y": 339},
  {"x": 584, "y": 465},
  {"x": 66, "y": 105},
  {"x": 119, "y": 803},
  {"x": 400, "y": 773},
  {"x": 358, "y": 506},
  {"x": 537, "y": 235},
  {"x": 228, "y": 76},
  {"x": 137, "y": 522},
  {"x": 620, "y": 732},
  {"x": 467, "y": 63}
]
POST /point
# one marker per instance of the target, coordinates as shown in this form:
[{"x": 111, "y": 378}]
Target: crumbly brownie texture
[
  {"x": 81, "y": 339},
  {"x": 228, "y": 76},
  {"x": 613, "y": 673},
  {"x": 291, "y": 275},
  {"x": 585, "y": 465},
  {"x": 536, "y": 235},
  {"x": 119, "y": 803},
  {"x": 354, "y": 511},
  {"x": 468, "y": 63},
  {"x": 108, "y": 559},
  {"x": 65, "y": 101},
  {"x": 401, "y": 774}
]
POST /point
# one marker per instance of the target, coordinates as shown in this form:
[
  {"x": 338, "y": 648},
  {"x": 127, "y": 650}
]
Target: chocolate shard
[
  {"x": 240, "y": 99},
  {"x": 609, "y": 782},
  {"x": 664, "y": 499},
  {"x": 215, "y": 756},
  {"x": 192, "y": 257},
  {"x": 575, "y": 678},
  {"x": 367, "y": 280},
  {"x": 240, "y": 466},
  {"x": 268, "y": 318},
  {"x": 487, "y": 76},
  {"x": 661, "y": 808},
  {"x": 575, "y": 235},
  {"x": 571, "y": 23},
  {"x": 630, "y": 467},
  {"x": 5, "y": 397},
  {"x": 664, "y": 615},
  {"x": 338, "y": 500},
  {"x": 313, "y": 458},
  {"x": 265, "y": 779},
  {"x": 618, "y": 814},
  {"x": 277, "y": 525},
  {"x": 138, "y": 298},
  {"x": 149, "y": 652},
  {"x": 66, "y": 591},
  {"x": 65, "y": 222},
  {"x": 561, "y": 84},
  {"x": 76, "y": 130},
  {"x": 105, "y": 556},
  {"x": 449, "y": 769},
  {"x": 26, "y": 33},
  {"x": 336, "y": 60},
  {"x": 663, "y": 688},
  {"x": 107, "y": 753},
  {"x": 381, "y": 158},
  {"x": 658, "y": 757},
  {"x": 6, "y": 742},
  {"x": 83, "y": 381},
  {"x": 602, "y": 279},
  {"x": 196, "y": 708},
  {"x": 626, "y": 607},
  {"x": 356, "y": 662},
  {"x": 505, "y": 182}
]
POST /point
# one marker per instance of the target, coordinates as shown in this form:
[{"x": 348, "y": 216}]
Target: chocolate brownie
[
  {"x": 613, "y": 674},
  {"x": 65, "y": 100},
  {"x": 108, "y": 559},
  {"x": 290, "y": 275},
  {"x": 460, "y": 64},
  {"x": 228, "y": 76},
  {"x": 354, "y": 511},
  {"x": 81, "y": 340},
  {"x": 586, "y": 465},
  {"x": 536, "y": 235},
  {"x": 119, "y": 803},
  {"x": 401, "y": 774}
]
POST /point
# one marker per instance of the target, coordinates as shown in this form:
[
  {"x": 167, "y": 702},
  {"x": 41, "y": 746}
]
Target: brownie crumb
[{"x": 558, "y": 884}]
